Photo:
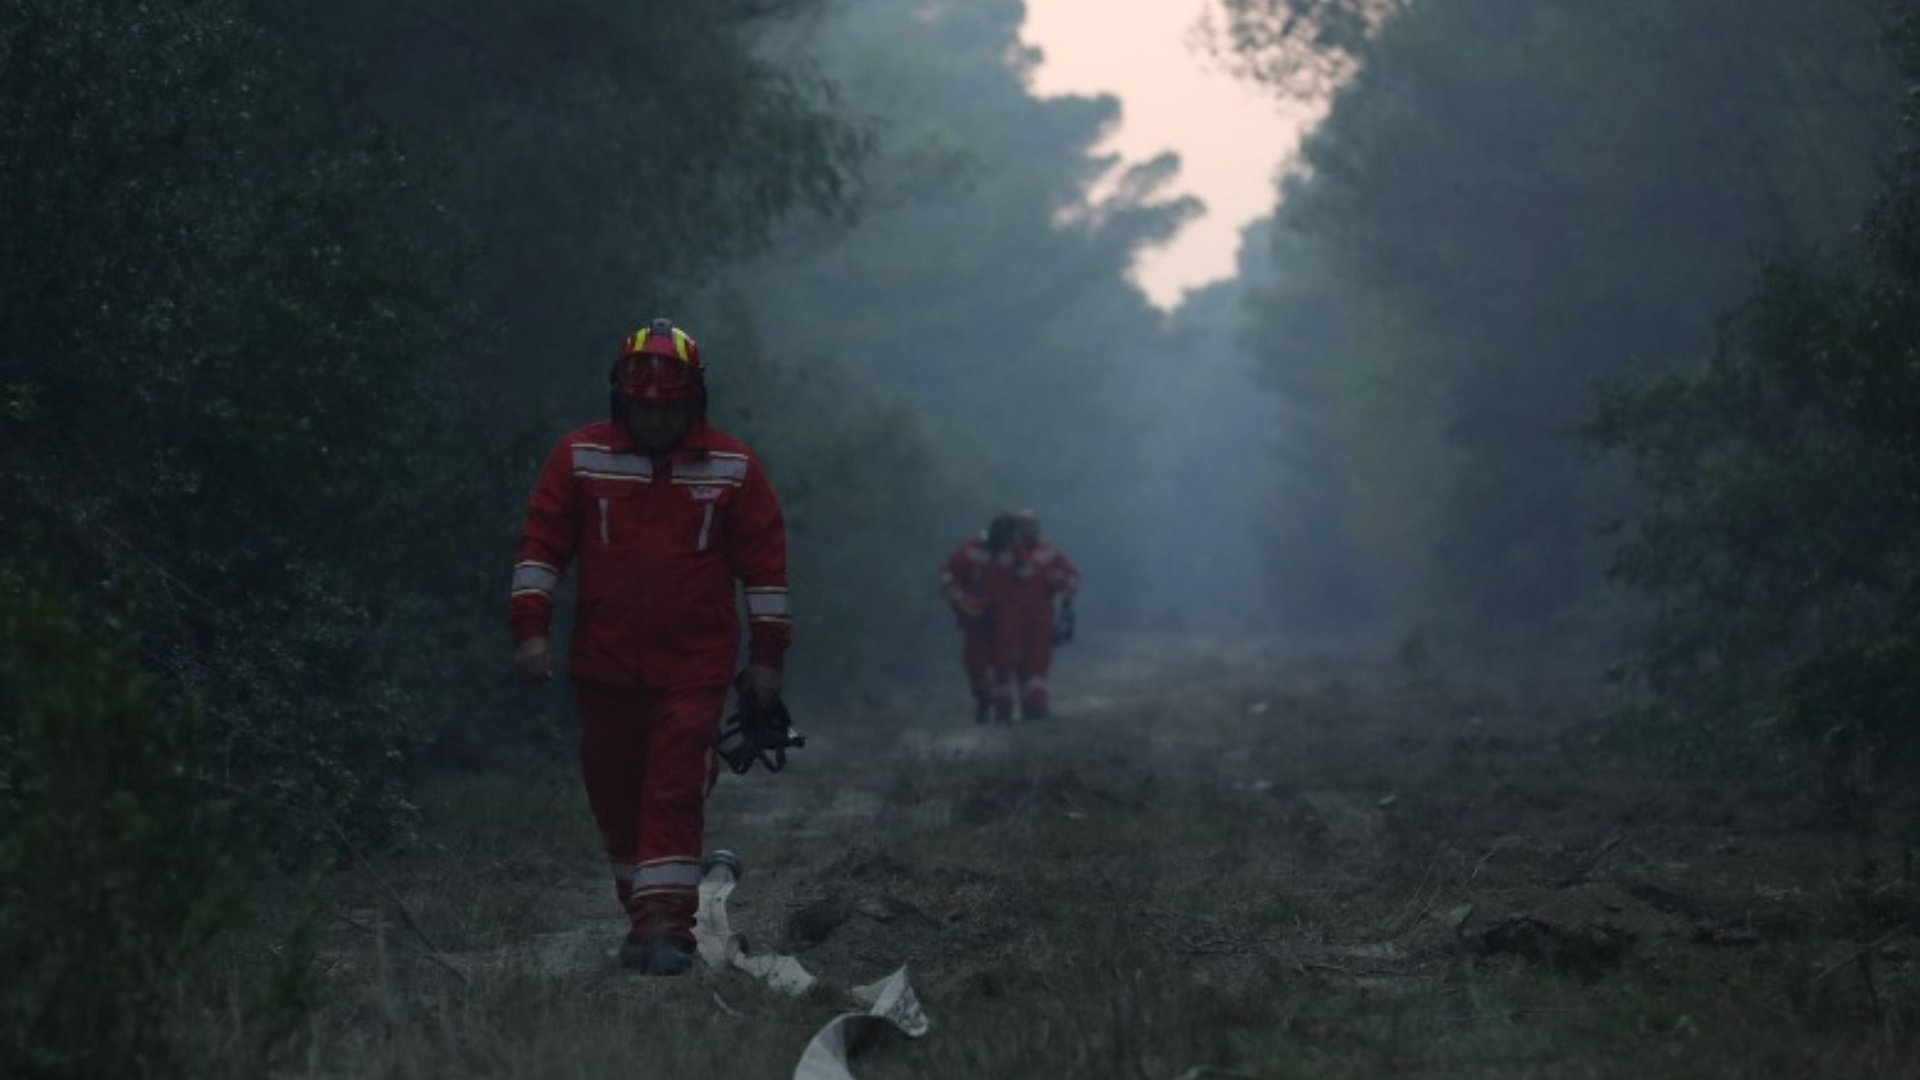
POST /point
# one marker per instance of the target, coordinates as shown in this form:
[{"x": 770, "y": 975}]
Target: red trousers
[
  {"x": 976, "y": 656},
  {"x": 1022, "y": 655},
  {"x": 647, "y": 758}
]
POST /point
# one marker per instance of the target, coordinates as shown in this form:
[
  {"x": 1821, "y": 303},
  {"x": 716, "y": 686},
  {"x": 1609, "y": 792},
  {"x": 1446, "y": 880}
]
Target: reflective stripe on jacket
[
  {"x": 1038, "y": 574},
  {"x": 661, "y": 546}
]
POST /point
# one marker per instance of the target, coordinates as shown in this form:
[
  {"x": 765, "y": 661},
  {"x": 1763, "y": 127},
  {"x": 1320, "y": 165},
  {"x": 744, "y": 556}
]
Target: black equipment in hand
[
  {"x": 1063, "y": 623},
  {"x": 762, "y": 735}
]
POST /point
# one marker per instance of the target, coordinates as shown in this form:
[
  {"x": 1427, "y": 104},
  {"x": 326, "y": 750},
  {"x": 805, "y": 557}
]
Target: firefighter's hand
[
  {"x": 967, "y": 605},
  {"x": 760, "y": 687},
  {"x": 533, "y": 660}
]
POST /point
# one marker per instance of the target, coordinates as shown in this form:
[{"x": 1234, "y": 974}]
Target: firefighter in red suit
[
  {"x": 669, "y": 521},
  {"x": 1039, "y": 576},
  {"x": 969, "y": 580}
]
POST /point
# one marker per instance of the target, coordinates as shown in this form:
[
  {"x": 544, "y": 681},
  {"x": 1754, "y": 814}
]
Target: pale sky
[{"x": 1229, "y": 135}]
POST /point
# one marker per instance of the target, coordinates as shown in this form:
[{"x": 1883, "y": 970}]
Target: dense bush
[
  {"x": 1506, "y": 203},
  {"x": 124, "y": 884},
  {"x": 1782, "y": 532},
  {"x": 216, "y": 315},
  {"x": 285, "y": 316}
]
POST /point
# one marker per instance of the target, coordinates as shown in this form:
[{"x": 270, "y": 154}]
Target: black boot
[{"x": 659, "y": 955}]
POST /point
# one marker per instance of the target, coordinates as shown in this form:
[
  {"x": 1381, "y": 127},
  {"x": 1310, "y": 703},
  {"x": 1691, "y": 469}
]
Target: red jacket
[
  {"x": 661, "y": 544},
  {"x": 965, "y": 574},
  {"x": 1039, "y": 573}
]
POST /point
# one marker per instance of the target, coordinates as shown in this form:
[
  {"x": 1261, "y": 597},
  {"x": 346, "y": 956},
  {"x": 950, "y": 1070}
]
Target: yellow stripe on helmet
[{"x": 683, "y": 345}]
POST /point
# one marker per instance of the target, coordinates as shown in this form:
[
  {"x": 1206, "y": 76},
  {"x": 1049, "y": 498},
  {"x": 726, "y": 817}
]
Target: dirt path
[{"x": 1272, "y": 863}]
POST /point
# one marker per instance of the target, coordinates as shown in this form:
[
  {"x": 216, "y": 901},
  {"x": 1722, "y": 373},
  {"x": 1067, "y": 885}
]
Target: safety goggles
[{"x": 651, "y": 375}]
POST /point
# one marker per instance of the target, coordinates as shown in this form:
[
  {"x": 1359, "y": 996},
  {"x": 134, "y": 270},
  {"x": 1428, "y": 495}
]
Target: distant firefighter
[
  {"x": 1003, "y": 585},
  {"x": 971, "y": 577},
  {"x": 1026, "y": 625}
]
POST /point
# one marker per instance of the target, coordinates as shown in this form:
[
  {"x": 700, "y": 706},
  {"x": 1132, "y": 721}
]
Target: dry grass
[{"x": 1219, "y": 865}]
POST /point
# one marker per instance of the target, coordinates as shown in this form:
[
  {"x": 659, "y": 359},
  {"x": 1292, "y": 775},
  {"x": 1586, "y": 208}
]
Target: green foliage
[
  {"x": 598, "y": 159},
  {"x": 865, "y": 498},
  {"x": 984, "y": 291},
  {"x": 292, "y": 291},
  {"x": 1193, "y": 498},
  {"x": 1507, "y": 203},
  {"x": 1301, "y": 48},
  {"x": 123, "y": 885},
  {"x": 216, "y": 318},
  {"x": 1782, "y": 531}
]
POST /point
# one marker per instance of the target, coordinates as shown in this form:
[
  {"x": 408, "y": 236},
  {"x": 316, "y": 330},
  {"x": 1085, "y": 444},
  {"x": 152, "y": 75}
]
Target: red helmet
[{"x": 658, "y": 362}]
